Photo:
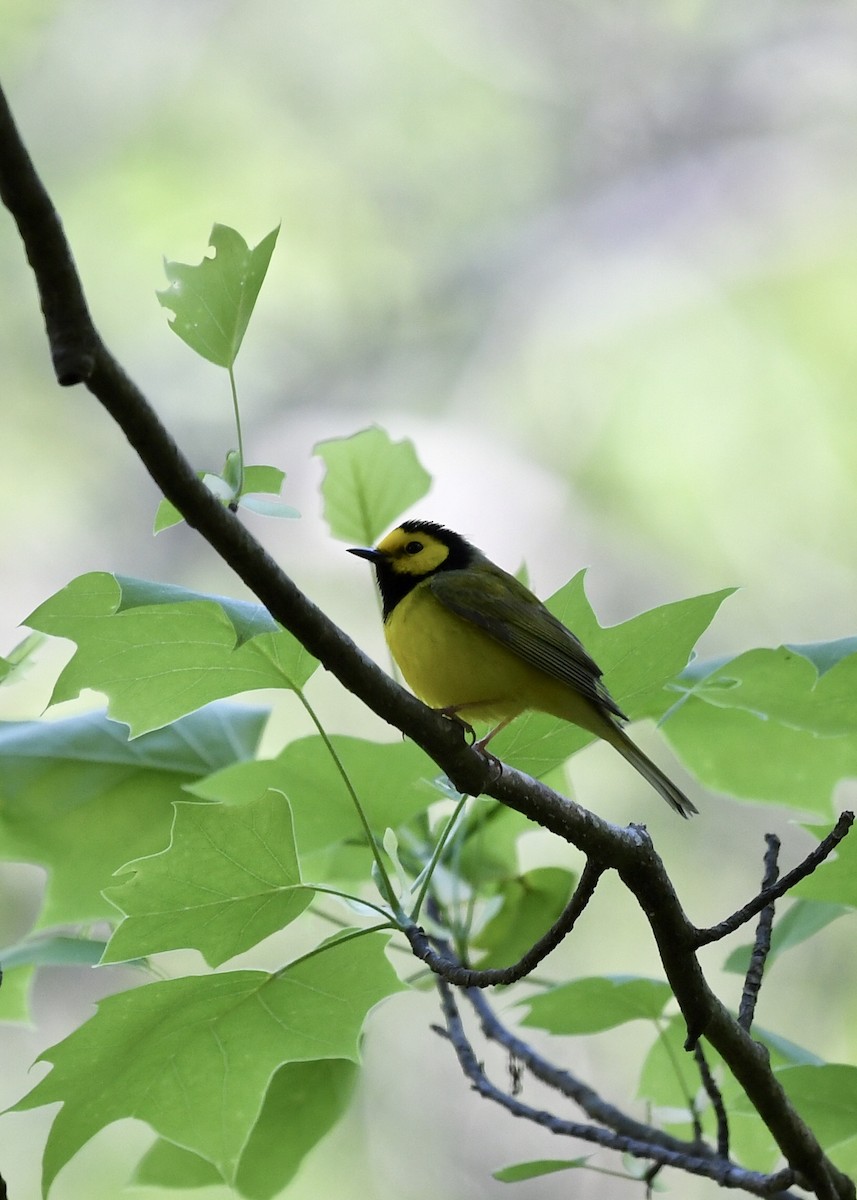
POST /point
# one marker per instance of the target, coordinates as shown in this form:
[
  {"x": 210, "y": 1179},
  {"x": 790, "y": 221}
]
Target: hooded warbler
[{"x": 476, "y": 644}]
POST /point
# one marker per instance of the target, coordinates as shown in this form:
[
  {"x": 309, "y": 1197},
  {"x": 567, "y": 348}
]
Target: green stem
[
  {"x": 328, "y": 891},
  {"x": 386, "y": 887},
  {"x": 238, "y": 430},
  {"x": 435, "y": 858},
  {"x": 348, "y": 937}
]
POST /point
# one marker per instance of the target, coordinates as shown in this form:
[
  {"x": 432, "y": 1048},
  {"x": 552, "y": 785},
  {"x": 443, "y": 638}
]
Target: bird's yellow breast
[{"x": 450, "y": 662}]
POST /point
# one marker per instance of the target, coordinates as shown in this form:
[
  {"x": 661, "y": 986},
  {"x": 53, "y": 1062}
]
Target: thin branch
[
  {"x": 723, "y": 1172},
  {"x": 813, "y": 860},
  {"x": 714, "y": 1094},
  {"x": 79, "y": 353},
  {"x": 762, "y": 941},
  {"x": 594, "y": 1105},
  {"x": 443, "y": 963}
]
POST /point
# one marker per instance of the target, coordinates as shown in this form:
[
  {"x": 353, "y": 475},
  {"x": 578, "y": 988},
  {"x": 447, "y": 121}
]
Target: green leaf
[
  {"x": 213, "y": 301},
  {"x": 304, "y": 1101},
  {"x": 538, "y": 1167},
  {"x": 803, "y": 920},
  {"x": 166, "y": 515},
  {"x": 79, "y": 799},
  {"x": 15, "y": 995},
  {"x": 52, "y": 951},
  {"x": 228, "y": 879},
  {"x": 597, "y": 1003},
  {"x": 784, "y": 686},
  {"x": 391, "y": 779},
  {"x": 639, "y": 658},
  {"x": 735, "y": 752},
  {"x": 369, "y": 481},
  {"x": 267, "y": 481},
  {"x": 158, "y": 652},
  {"x": 826, "y": 1098},
  {"x": 249, "y": 620},
  {"x": 487, "y": 840},
  {"x": 261, "y": 492},
  {"x": 263, "y": 479},
  {"x": 670, "y": 1080},
  {"x": 824, "y": 655},
  {"x": 530, "y": 905},
  {"x": 166, "y": 1165},
  {"x": 194, "y": 1057}
]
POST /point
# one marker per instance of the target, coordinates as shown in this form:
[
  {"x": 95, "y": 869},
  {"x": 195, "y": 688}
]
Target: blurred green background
[{"x": 598, "y": 260}]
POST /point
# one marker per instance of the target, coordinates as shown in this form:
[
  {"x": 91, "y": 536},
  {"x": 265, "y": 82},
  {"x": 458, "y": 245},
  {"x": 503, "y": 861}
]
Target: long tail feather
[{"x": 662, "y": 784}]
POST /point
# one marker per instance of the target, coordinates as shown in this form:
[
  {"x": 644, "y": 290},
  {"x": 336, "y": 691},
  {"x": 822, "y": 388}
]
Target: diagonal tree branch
[{"x": 80, "y": 356}]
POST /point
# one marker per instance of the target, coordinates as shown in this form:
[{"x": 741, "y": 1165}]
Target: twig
[
  {"x": 814, "y": 859},
  {"x": 725, "y": 1173},
  {"x": 716, "y": 1097},
  {"x": 762, "y": 941},
  {"x": 594, "y": 1105},
  {"x": 443, "y": 963}
]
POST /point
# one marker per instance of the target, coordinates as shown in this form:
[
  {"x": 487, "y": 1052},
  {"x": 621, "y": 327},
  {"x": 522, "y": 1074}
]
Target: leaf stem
[
  {"x": 386, "y": 887},
  {"x": 435, "y": 858},
  {"x": 237, "y": 412},
  {"x": 347, "y": 937}
]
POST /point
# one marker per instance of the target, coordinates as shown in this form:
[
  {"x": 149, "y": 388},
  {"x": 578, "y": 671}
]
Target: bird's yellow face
[
  {"x": 409, "y": 555},
  {"x": 415, "y": 554}
]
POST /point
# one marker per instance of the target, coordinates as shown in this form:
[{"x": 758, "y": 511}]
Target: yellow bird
[{"x": 476, "y": 644}]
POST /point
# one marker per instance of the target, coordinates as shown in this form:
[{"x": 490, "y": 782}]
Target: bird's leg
[
  {"x": 483, "y": 742},
  {"x": 479, "y": 746},
  {"x": 451, "y": 713}
]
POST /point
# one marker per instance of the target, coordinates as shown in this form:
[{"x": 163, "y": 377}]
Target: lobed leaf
[
  {"x": 390, "y": 778},
  {"x": 303, "y": 1102},
  {"x": 158, "y": 652},
  {"x": 195, "y": 1057},
  {"x": 228, "y": 879},
  {"x": 78, "y": 798},
  {"x": 369, "y": 481},
  {"x": 214, "y": 300}
]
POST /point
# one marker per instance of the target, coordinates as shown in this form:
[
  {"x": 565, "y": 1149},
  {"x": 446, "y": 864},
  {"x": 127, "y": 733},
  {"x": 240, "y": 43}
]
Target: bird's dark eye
[{"x": 413, "y": 547}]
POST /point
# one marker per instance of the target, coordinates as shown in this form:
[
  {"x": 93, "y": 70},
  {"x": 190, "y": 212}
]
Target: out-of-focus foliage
[{"x": 619, "y": 241}]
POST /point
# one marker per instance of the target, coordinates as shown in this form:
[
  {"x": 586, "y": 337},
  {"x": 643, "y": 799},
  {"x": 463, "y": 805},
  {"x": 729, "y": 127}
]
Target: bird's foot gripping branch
[{"x": 184, "y": 837}]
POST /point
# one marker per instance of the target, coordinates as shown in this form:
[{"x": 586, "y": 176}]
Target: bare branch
[
  {"x": 704, "y": 937},
  {"x": 762, "y": 941},
  {"x": 723, "y": 1172},
  {"x": 714, "y": 1095},
  {"x": 443, "y": 963},
  {"x": 594, "y": 1105}
]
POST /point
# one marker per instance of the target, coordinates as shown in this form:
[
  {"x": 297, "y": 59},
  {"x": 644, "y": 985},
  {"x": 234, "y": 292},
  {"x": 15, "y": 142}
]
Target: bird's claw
[{"x": 467, "y": 729}]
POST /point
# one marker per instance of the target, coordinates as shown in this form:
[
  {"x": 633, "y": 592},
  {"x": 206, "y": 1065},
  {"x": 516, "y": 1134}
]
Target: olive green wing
[{"x": 510, "y": 613}]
